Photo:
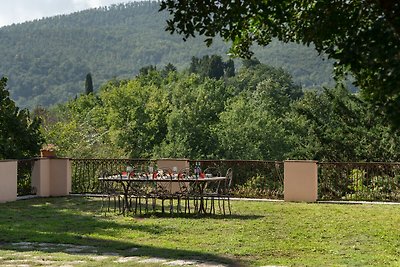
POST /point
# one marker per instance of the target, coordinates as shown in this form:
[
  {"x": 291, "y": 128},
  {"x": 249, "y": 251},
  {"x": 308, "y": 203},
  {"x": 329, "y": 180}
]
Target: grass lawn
[{"x": 71, "y": 231}]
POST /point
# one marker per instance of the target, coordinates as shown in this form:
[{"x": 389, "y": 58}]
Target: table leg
[
  {"x": 202, "y": 207},
  {"x": 126, "y": 200}
]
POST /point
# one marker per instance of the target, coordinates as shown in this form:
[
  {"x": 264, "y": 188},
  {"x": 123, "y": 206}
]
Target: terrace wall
[{"x": 334, "y": 181}]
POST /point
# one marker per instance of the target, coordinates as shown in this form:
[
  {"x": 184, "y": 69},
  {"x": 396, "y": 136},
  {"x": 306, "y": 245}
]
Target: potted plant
[{"x": 48, "y": 151}]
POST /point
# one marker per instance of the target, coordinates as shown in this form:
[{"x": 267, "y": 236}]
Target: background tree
[
  {"x": 19, "y": 134},
  {"x": 338, "y": 126},
  {"x": 260, "y": 113},
  {"x": 89, "y": 84},
  {"x": 363, "y": 37},
  {"x": 253, "y": 124},
  {"x": 229, "y": 68},
  {"x": 147, "y": 70},
  {"x": 195, "y": 103},
  {"x": 167, "y": 69},
  {"x": 212, "y": 67},
  {"x": 247, "y": 130},
  {"x": 250, "y": 62},
  {"x": 79, "y": 129},
  {"x": 250, "y": 75}
]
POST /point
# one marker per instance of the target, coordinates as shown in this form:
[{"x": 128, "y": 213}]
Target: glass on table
[{"x": 129, "y": 169}]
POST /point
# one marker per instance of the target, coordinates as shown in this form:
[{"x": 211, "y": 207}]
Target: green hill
[{"x": 47, "y": 60}]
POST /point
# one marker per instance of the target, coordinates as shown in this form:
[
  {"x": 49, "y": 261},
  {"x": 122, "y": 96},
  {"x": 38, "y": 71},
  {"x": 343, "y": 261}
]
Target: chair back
[
  {"x": 214, "y": 171},
  {"x": 229, "y": 177}
]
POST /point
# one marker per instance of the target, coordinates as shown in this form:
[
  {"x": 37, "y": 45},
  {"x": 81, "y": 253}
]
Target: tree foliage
[
  {"x": 363, "y": 37},
  {"x": 212, "y": 67},
  {"x": 259, "y": 113},
  {"x": 194, "y": 107},
  {"x": 88, "y": 84},
  {"x": 20, "y": 135},
  {"x": 339, "y": 126}
]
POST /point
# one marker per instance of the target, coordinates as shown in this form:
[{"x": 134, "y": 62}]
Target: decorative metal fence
[
  {"x": 251, "y": 178},
  {"x": 24, "y": 177},
  {"x": 85, "y": 172},
  {"x": 359, "y": 181}
]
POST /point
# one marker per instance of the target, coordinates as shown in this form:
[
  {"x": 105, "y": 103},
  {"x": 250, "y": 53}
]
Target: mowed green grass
[{"x": 257, "y": 234}]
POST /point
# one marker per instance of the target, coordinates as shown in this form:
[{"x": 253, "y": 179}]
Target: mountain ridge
[{"x": 47, "y": 60}]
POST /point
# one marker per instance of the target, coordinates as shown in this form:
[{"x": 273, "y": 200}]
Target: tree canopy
[
  {"x": 363, "y": 37},
  {"x": 259, "y": 113},
  {"x": 88, "y": 84},
  {"x": 20, "y": 135}
]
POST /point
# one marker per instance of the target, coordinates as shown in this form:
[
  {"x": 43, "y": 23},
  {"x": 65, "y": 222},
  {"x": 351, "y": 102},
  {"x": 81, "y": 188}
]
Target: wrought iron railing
[
  {"x": 85, "y": 172},
  {"x": 251, "y": 178},
  {"x": 359, "y": 181},
  {"x": 24, "y": 177}
]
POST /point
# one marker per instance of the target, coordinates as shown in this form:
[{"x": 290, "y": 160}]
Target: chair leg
[
  {"x": 187, "y": 204},
  {"x": 196, "y": 204},
  {"x": 162, "y": 205},
  {"x": 121, "y": 203},
  {"x": 124, "y": 205},
  {"x": 171, "y": 205},
  {"x": 103, "y": 203},
  {"x": 229, "y": 205},
  {"x": 136, "y": 204},
  {"x": 154, "y": 203},
  {"x": 147, "y": 204},
  {"x": 212, "y": 205},
  {"x": 219, "y": 204},
  {"x": 178, "y": 205},
  {"x": 223, "y": 205},
  {"x": 108, "y": 203},
  {"x": 140, "y": 204},
  {"x": 129, "y": 203}
]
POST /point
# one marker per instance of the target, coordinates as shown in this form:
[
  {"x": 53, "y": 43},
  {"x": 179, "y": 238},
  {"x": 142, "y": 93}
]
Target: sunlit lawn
[{"x": 258, "y": 233}]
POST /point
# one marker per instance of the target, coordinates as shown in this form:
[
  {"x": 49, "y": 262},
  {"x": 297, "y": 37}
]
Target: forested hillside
[{"x": 47, "y": 60}]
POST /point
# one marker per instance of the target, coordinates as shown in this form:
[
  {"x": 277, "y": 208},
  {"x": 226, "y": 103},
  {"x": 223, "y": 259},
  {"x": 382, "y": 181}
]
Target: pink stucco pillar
[
  {"x": 300, "y": 180},
  {"x": 8, "y": 180},
  {"x": 52, "y": 177}
]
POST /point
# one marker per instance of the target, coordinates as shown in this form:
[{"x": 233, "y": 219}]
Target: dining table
[{"x": 165, "y": 186}]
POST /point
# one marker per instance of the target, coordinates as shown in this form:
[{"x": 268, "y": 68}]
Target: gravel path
[{"x": 29, "y": 254}]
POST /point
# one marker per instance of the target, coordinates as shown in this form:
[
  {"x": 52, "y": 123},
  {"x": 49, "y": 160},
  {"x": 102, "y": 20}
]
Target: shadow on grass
[
  {"x": 196, "y": 216},
  {"x": 78, "y": 221},
  {"x": 148, "y": 212}
]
